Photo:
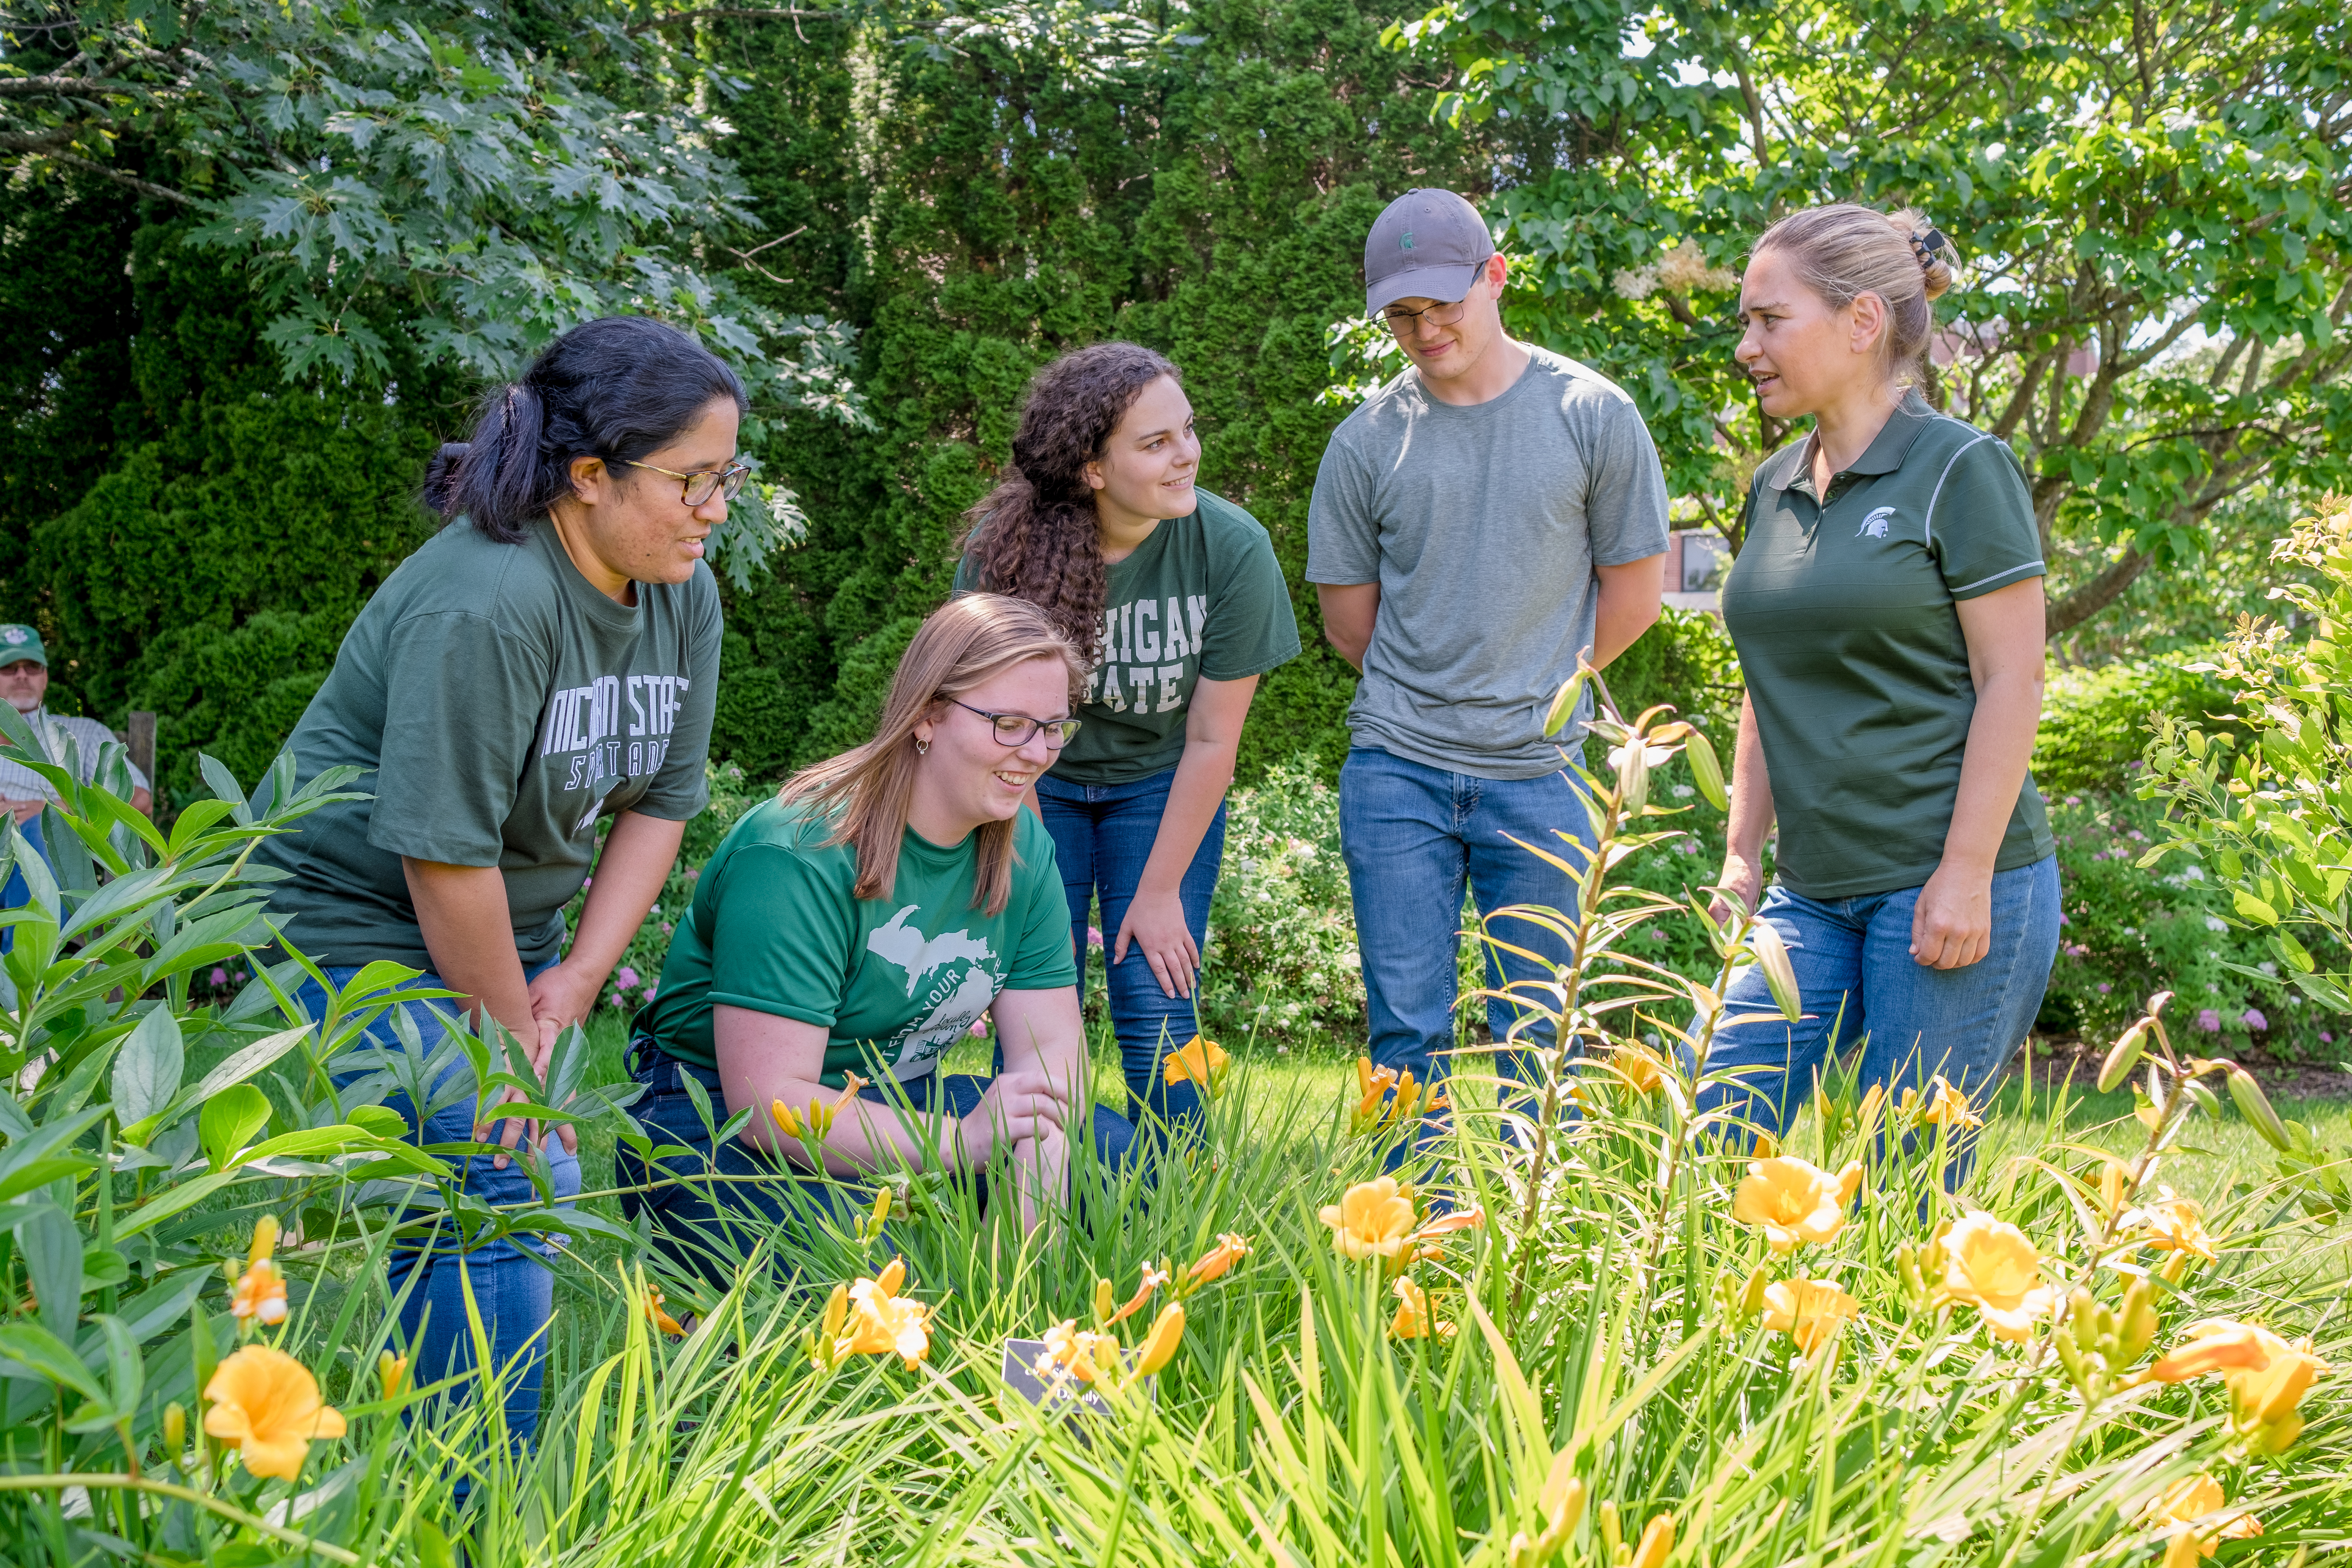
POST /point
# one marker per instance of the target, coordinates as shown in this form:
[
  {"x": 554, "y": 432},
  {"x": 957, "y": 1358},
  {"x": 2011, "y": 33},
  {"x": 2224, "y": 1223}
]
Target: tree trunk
[{"x": 2096, "y": 595}]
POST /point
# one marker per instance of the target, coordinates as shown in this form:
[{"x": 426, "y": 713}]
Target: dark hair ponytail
[
  {"x": 1033, "y": 535},
  {"x": 616, "y": 388}
]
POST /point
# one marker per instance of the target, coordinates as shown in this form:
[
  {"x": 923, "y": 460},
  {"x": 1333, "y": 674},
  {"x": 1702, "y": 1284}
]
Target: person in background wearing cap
[
  {"x": 1486, "y": 517},
  {"x": 25, "y": 684}
]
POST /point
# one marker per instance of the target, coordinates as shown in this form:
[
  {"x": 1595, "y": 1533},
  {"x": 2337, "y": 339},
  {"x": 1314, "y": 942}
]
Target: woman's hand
[
  {"x": 1951, "y": 925},
  {"x": 1020, "y": 1105},
  {"x": 1155, "y": 923},
  {"x": 1741, "y": 880},
  {"x": 1041, "y": 1168}
]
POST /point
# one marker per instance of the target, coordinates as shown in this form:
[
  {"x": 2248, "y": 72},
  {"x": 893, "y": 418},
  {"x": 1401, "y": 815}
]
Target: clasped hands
[{"x": 560, "y": 998}]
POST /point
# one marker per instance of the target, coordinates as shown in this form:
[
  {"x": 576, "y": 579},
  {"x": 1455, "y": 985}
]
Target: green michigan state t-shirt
[
  {"x": 500, "y": 705},
  {"x": 1844, "y": 608},
  {"x": 1202, "y": 597},
  {"x": 775, "y": 927}
]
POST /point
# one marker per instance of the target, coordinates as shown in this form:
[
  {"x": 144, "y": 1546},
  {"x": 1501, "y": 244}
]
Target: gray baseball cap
[{"x": 1427, "y": 244}]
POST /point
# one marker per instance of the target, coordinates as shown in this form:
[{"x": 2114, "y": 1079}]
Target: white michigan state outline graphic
[{"x": 918, "y": 955}]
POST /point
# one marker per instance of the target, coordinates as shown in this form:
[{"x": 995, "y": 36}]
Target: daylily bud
[
  {"x": 1563, "y": 705},
  {"x": 1159, "y": 1346},
  {"x": 1657, "y": 1544},
  {"x": 2122, "y": 1056},
  {"x": 265, "y": 1241},
  {"x": 787, "y": 1122},
  {"x": 2256, "y": 1107},
  {"x": 175, "y": 1431},
  {"x": 1707, "y": 770},
  {"x": 391, "y": 1372},
  {"x": 1106, "y": 1301}
]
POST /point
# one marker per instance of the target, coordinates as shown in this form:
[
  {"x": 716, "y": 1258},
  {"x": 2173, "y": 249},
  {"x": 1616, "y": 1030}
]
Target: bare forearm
[
  {"x": 1203, "y": 776},
  {"x": 636, "y": 859},
  {"x": 462, "y": 912},
  {"x": 1349, "y": 612},
  {"x": 1751, "y": 791},
  {"x": 1993, "y": 769},
  {"x": 1629, "y": 601}
]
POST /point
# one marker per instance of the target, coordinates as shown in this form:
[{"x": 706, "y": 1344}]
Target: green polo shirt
[{"x": 1845, "y": 610}]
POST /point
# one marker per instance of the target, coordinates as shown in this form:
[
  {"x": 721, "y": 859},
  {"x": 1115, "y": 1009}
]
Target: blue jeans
[
  {"x": 512, "y": 1278},
  {"x": 1103, "y": 834},
  {"x": 706, "y": 1229},
  {"x": 19, "y": 893},
  {"x": 1413, "y": 836},
  {"x": 1856, "y": 980}
]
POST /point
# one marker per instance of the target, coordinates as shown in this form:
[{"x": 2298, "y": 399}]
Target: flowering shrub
[
  {"x": 1282, "y": 932},
  {"x": 2133, "y": 928}
]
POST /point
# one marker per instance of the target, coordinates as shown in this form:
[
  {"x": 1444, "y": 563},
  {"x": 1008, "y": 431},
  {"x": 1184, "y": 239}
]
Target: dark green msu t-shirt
[
  {"x": 776, "y": 928},
  {"x": 500, "y": 705},
  {"x": 1202, "y": 597},
  {"x": 1844, "y": 609}
]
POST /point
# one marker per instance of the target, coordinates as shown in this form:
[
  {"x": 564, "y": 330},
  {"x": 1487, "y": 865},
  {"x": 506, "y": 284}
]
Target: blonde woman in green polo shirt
[
  {"x": 1887, "y": 608},
  {"x": 1174, "y": 597},
  {"x": 861, "y": 924}
]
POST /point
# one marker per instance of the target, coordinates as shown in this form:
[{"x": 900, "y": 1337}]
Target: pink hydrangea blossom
[
  {"x": 1093, "y": 937},
  {"x": 649, "y": 992},
  {"x": 220, "y": 976},
  {"x": 2210, "y": 1021},
  {"x": 2105, "y": 988},
  {"x": 625, "y": 978},
  {"x": 2253, "y": 1019},
  {"x": 2325, "y": 1038}
]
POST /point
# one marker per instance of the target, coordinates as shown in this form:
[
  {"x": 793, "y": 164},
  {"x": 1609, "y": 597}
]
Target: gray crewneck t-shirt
[{"x": 1482, "y": 526}]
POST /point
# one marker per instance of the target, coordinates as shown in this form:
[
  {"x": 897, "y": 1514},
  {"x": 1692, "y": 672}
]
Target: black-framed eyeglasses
[
  {"x": 1404, "y": 323},
  {"x": 695, "y": 489},
  {"x": 1015, "y": 729}
]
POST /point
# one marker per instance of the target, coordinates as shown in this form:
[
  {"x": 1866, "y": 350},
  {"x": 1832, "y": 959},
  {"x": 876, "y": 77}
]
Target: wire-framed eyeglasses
[
  {"x": 695, "y": 489},
  {"x": 1016, "y": 729},
  {"x": 1404, "y": 324}
]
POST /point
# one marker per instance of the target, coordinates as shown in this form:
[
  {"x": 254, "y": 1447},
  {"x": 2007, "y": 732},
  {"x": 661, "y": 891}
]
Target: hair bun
[
  {"x": 441, "y": 476},
  {"x": 1935, "y": 253}
]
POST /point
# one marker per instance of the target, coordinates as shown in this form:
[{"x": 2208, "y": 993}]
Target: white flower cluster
[{"x": 1681, "y": 269}]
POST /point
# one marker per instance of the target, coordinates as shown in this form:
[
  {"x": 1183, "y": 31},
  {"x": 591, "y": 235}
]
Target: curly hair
[{"x": 1033, "y": 535}]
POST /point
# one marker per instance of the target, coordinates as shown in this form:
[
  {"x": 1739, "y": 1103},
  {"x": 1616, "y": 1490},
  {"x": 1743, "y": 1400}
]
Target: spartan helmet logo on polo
[{"x": 1874, "y": 524}]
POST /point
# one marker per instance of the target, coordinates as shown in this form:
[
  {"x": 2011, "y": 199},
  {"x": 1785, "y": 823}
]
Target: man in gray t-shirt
[{"x": 1490, "y": 514}]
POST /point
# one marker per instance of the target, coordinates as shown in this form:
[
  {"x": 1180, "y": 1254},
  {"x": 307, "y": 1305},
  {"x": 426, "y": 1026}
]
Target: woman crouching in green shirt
[
  {"x": 861, "y": 924},
  {"x": 1176, "y": 599}
]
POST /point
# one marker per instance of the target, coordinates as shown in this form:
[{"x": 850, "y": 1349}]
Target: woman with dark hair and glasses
[
  {"x": 549, "y": 660},
  {"x": 1175, "y": 599}
]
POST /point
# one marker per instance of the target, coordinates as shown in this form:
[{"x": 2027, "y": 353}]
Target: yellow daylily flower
[
  {"x": 1642, "y": 1069},
  {"x": 2175, "y": 1225},
  {"x": 1992, "y": 1264},
  {"x": 1372, "y": 1219},
  {"x": 1944, "y": 1106},
  {"x": 883, "y": 1322},
  {"x": 1793, "y": 1200},
  {"x": 1810, "y": 1311},
  {"x": 1657, "y": 1544},
  {"x": 1077, "y": 1352},
  {"x": 2175, "y": 1510},
  {"x": 391, "y": 1372},
  {"x": 1413, "y": 1319},
  {"x": 266, "y": 1404},
  {"x": 2267, "y": 1377}
]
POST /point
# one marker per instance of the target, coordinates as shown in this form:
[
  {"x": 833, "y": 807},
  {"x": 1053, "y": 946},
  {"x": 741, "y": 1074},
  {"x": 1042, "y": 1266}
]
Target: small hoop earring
[{"x": 922, "y": 748}]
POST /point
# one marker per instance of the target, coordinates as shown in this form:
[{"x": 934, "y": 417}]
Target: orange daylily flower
[
  {"x": 1214, "y": 1264},
  {"x": 1413, "y": 1319},
  {"x": 260, "y": 1294},
  {"x": 1794, "y": 1200},
  {"x": 1080, "y": 1352},
  {"x": 1159, "y": 1346},
  {"x": 1200, "y": 1061},
  {"x": 661, "y": 1320},
  {"x": 1992, "y": 1264},
  {"x": 2267, "y": 1377},
  {"x": 265, "y": 1403},
  {"x": 391, "y": 1372},
  {"x": 1372, "y": 1219},
  {"x": 1810, "y": 1311},
  {"x": 1153, "y": 1279},
  {"x": 1641, "y": 1069}
]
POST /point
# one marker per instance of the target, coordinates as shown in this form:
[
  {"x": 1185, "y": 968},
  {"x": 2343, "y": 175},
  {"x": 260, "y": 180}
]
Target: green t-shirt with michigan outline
[
  {"x": 1203, "y": 596},
  {"x": 775, "y": 926},
  {"x": 1845, "y": 611}
]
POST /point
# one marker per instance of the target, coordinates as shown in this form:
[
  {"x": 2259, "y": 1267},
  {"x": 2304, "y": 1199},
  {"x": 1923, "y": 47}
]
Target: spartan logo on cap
[
  {"x": 17, "y": 636},
  {"x": 1406, "y": 243}
]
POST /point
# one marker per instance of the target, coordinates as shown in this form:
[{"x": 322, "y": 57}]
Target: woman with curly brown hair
[{"x": 1175, "y": 597}]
